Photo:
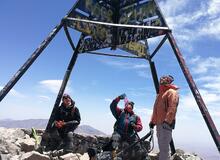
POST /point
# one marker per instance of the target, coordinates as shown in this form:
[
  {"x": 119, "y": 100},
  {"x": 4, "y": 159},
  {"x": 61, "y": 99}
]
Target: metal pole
[
  {"x": 207, "y": 117},
  {"x": 68, "y": 36},
  {"x": 64, "y": 83},
  {"x": 154, "y": 75},
  {"x": 117, "y": 25},
  {"x": 29, "y": 62},
  {"x": 111, "y": 55},
  {"x": 158, "y": 47}
]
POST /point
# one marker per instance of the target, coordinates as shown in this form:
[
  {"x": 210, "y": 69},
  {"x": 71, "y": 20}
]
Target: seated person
[
  {"x": 67, "y": 118},
  {"x": 125, "y": 130}
]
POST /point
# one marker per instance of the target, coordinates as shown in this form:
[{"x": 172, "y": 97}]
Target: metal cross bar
[
  {"x": 159, "y": 46},
  {"x": 69, "y": 37},
  {"x": 113, "y": 55},
  {"x": 118, "y": 25}
]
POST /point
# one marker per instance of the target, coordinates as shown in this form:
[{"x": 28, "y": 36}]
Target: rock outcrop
[{"x": 19, "y": 144}]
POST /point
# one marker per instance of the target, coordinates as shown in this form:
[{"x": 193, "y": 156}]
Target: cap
[
  {"x": 66, "y": 96},
  {"x": 131, "y": 103},
  {"x": 168, "y": 79}
]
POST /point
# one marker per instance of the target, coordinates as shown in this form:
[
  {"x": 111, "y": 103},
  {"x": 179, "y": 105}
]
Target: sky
[{"x": 96, "y": 80}]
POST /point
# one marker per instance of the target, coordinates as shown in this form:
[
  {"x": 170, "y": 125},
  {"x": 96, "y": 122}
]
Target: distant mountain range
[{"x": 42, "y": 123}]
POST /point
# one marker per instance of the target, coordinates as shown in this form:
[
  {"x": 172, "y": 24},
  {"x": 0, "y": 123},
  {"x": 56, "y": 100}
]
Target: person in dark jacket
[
  {"x": 125, "y": 129},
  {"x": 67, "y": 118}
]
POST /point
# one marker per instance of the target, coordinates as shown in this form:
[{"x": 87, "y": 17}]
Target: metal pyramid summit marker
[
  {"x": 123, "y": 24},
  {"x": 112, "y": 23}
]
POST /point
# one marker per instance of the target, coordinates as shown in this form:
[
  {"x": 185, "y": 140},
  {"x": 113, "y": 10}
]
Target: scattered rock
[
  {"x": 70, "y": 156},
  {"x": 18, "y": 144},
  {"x": 27, "y": 145},
  {"x": 4, "y": 156},
  {"x": 85, "y": 156},
  {"x": 34, "y": 156}
]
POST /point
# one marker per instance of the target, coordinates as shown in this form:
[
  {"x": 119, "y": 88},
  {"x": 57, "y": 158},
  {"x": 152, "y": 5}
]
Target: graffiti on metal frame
[
  {"x": 132, "y": 34},
  {"x": 136, "y": 48},
  {"x": 91, "y": 44},
  {"x": 128, "y": 2},
  {"x": 97, "y": 10},
  {"x": 138, "y": 13},
  {"x": 98, "y": 36},
  {"x": 142, "y": 12}
]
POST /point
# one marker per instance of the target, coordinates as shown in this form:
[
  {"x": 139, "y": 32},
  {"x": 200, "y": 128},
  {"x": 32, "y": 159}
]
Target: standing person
[
  {"x": 67, "y": 118},
  {"x": 164, "y": 114},
  {"x": 126, "y": 127}
]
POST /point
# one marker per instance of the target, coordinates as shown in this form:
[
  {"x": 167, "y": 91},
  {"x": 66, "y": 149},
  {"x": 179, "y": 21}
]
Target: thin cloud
[
  {"x": 108, "y": 100},
  {"x": 207, "y": 71},
  {"x": 204, "y": 65},
  {"x": 44, "y": 98},
  {"x": 142, "y": 74},
  {"x": 204, "y": 21},
  {"x": 188, "y": 102},
  {"x": 214, "y": 6},
  {"x": 138, "y": 92},
  {"x": 138, "y": 67},
  {"x": 215, "y": 113},
  {"x": 143, "y": 110},
  {"x": 53, "y": 86},
  {"x": 124, "y": 65}
]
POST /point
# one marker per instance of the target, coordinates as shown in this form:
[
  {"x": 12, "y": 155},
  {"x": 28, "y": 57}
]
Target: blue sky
[{"x": 96, "y": 80}]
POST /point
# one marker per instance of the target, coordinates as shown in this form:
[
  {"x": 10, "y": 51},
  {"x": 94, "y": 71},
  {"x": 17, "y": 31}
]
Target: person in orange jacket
[{"x": 164, "y": 114}]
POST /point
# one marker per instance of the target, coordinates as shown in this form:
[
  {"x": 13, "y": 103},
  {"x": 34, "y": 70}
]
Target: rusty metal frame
[{"x": 203, "y": 109}]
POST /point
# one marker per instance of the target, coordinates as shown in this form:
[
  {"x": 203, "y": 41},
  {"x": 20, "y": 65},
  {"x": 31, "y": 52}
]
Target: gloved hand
[
  {"x": 132, "y": 124},
  {"x": 167, "y": 126},
  {"x": 75, "y": 122},
  {"x": 59, "y": 124},
  {"x": 151, "y": 125},
  {"x": 122, "y": 96}
]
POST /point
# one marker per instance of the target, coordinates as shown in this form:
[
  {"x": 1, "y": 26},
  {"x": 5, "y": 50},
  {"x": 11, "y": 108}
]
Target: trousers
[{"x": 164, "y": 137}]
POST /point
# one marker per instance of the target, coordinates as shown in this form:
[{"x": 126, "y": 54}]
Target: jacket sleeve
[
  {"x": 154, "y": 115},
  {"x": 138, "y": 126},
  {"x": 173, "y": 100},
  {"x": 77, "y": 114},
  {"x": 76, "y": 118},
  {"x": 116, "y": 111}
]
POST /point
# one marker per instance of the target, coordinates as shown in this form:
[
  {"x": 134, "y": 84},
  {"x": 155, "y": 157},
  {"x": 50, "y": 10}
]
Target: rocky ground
[{"x": 20, "y": 144}]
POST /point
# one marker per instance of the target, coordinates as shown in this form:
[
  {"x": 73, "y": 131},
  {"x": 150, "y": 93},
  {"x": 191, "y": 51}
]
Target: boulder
[
  {"x": 85, "y": 156},
  {"x": 27, "y": 145},
  {"x": 34, "y": 156},
  {"x": 70, "y": 156},
  {"x": 17, "y": 144},
  {"x": 4, "y": 156}
]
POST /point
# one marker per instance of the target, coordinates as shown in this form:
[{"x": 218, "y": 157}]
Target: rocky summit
[{"x": 21, "y": 144}]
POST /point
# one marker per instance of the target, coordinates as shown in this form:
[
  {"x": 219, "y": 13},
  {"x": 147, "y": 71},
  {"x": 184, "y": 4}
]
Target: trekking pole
[
  {"x": 172, "y": 147},
  {"x": 141, "y": 142},
  {"x": 133, "y": 144}
]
